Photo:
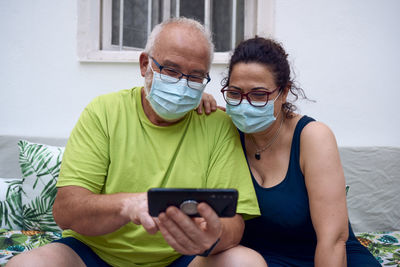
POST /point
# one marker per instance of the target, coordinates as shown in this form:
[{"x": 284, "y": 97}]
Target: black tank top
[{"x": 285, "y": 229}]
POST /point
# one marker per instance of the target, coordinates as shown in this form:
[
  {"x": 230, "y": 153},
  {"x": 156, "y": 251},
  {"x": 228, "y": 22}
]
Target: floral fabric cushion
[
  {"x": 40, "y": 166},
  {"x": 385, "y": 246},
  {"x": 15, "y": 242},
  {"x": 10, "y": 203}
]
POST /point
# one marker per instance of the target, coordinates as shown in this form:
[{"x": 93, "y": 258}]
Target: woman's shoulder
[
  {"x": 316, "y": 130},
  {"x": 316, "y": 138}
]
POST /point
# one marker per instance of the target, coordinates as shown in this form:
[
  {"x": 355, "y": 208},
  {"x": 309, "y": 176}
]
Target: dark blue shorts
[{"x": 91, "y": 259}]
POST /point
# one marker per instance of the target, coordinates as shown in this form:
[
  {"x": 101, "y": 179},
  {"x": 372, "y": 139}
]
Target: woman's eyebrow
[
  {"x": 235, "y": 87},
  {"x": 254, "y": 88},
  {"x": 260, "y": 88}
]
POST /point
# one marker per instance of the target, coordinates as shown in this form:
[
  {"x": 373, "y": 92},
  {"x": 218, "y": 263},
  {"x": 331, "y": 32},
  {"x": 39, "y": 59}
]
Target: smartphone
[{"x": 223, "y": 201}]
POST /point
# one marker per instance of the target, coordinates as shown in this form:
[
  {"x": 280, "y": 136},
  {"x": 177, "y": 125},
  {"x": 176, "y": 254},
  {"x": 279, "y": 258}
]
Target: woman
[{"x": 295, "y": 166}]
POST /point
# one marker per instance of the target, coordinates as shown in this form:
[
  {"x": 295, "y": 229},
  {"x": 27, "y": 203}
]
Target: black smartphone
[{"x": 223, "y": 201}]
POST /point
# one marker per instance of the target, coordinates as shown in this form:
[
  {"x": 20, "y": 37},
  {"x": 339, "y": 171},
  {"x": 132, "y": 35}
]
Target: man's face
[{"x": 181, "y": 48}]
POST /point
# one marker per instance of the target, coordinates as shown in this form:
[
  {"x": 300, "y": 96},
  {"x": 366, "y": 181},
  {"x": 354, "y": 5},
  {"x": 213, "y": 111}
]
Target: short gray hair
[{"x": 151, "y": 40}]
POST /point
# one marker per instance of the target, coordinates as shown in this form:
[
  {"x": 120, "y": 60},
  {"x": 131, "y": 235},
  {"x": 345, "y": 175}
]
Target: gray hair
[{"x": 151, "y": 40}]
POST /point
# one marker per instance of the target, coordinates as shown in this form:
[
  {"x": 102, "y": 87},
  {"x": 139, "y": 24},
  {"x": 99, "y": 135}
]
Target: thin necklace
[{"x": 257, "y": 155}]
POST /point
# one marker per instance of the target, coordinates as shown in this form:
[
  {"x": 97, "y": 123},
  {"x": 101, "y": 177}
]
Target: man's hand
[
  {"x": 190, "y": 236},
  {"x": 136, "y": 208}
]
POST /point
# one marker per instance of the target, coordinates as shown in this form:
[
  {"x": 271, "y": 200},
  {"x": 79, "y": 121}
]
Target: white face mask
[
  {"x": 173, "y": 100},
  {"x": 251, "y": 119}
]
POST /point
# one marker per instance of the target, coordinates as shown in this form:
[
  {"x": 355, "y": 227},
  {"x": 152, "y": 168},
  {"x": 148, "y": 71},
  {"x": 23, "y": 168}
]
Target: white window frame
[{"x": 259, "y": 19}]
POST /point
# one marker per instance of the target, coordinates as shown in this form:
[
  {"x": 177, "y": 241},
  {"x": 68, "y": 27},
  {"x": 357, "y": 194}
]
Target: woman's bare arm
[{"x": 325, "y": 183}]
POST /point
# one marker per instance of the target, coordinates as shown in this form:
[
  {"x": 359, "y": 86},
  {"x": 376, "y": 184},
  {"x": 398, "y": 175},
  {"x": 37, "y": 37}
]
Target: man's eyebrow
[
  {"x": 172, "y": 64},
  {"x": 198, "y": 72}
]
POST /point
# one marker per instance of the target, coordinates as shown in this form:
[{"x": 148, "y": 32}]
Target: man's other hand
[{"x": 190, "y": 236}]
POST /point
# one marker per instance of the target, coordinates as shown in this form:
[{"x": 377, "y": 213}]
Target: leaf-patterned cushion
[
  {"x": 40, "y": 166},
  {"x": 17, "y": 241},
  {"x": 385, "y": 246},
  {"x": 10, "y": 203}
]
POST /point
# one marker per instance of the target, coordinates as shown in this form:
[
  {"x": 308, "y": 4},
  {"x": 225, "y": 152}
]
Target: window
[{"x": 117, "y": 30}]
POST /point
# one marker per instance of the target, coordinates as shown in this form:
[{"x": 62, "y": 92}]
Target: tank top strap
[{"x": 295, "y": 149}]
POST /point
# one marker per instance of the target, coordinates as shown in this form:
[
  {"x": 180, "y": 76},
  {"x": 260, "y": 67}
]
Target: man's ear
[{"x": 143, "y": 63}]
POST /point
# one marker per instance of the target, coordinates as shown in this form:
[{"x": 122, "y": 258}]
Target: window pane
[
  {"x": 115, "y": 23},
  {"x": 173, "y": 8},
  {"x": 136, "y": 15},
  {"x": 156, "y": 12},
  {"x": 239, "y": 22},
  {"x": 135, "y": 23},
  {"x": 193, "y": 9},
  {"x": 222, "y": 24}
]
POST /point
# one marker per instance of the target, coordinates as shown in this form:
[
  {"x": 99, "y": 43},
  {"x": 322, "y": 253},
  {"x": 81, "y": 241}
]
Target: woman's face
[{"x": 251, "y": 77}]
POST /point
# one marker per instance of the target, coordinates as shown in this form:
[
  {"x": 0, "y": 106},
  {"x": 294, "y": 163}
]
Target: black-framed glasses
[
  {"x": 170, "y": 75},
  {"x": 257, "y": 97}
]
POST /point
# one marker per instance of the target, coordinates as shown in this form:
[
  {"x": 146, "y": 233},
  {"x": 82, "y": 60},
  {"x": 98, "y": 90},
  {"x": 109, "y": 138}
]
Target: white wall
[{"x": 344, "y": 53}]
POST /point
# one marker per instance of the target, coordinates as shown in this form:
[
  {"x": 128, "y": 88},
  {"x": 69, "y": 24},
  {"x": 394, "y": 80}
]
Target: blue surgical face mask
[
  {"x": 172, "y": 101},
  {"x": 250, "y": 119}
]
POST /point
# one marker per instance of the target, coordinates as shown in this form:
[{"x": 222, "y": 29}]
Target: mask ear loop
[{"x": 274, "y": 105}]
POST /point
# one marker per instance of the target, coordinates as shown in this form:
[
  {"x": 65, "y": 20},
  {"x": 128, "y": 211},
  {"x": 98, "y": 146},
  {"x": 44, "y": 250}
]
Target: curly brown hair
[{"x": 271, "y": 54}]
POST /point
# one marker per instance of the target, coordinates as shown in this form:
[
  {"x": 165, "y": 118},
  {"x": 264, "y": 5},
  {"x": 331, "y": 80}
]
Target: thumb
[{"x": 211, "y": 219}]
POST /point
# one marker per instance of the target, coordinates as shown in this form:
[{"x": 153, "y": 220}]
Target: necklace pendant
[{"x": 257, "y": 156}]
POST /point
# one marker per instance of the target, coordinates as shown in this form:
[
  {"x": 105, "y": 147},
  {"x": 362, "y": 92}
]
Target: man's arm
[
  {"x": 232, "y": 231},
  {"x": 86, "y": 213}
]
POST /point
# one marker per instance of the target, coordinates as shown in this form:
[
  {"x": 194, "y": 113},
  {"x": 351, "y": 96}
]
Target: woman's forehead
[{"x": 251, "y": 75}]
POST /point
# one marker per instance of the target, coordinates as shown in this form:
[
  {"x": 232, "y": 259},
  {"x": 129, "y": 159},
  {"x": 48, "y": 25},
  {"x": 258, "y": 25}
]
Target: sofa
[{"x": 29, "y": 168}]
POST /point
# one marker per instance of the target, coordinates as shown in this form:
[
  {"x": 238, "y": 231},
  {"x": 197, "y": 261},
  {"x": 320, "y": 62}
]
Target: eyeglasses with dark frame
[
  {"x": 171, "y": 75},
  {"x": 257, "y": 97}
]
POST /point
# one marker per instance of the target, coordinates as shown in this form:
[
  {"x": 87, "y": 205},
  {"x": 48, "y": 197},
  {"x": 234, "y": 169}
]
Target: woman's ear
[
  {"x": 285, "y": 92},
  {"x": 143, "y": 63}
]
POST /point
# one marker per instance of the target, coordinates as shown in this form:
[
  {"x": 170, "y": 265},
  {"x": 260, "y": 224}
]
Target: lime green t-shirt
[{"x": 115, "y": 148}]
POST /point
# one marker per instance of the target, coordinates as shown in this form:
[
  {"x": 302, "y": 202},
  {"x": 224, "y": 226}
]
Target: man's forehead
[
  {"x": 182, "y": 34},
  {"x": 179, "y": 27},
  {"x": 186, "y": 43}
]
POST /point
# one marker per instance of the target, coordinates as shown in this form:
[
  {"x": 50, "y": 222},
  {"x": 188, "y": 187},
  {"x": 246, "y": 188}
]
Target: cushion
[
  {"x": 16, "y": 241},
  {"x": 385, "y": 246},
  {"x": 40, "y": 166},
  {"x": 10, "y": 203}
]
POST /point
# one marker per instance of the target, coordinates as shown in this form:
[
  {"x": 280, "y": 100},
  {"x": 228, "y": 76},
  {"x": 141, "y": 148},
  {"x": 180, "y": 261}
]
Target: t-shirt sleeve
[
  {"x": 228, "y": 169},
  {"x": 86, "y": 159}
]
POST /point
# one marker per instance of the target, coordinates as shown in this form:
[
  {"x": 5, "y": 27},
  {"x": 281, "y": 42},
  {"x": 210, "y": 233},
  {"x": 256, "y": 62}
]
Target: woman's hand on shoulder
[{"x": 208, "y": 104}]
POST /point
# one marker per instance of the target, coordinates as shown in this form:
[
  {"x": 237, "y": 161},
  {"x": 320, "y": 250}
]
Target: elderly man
[{"x": 129, "y": 141}]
